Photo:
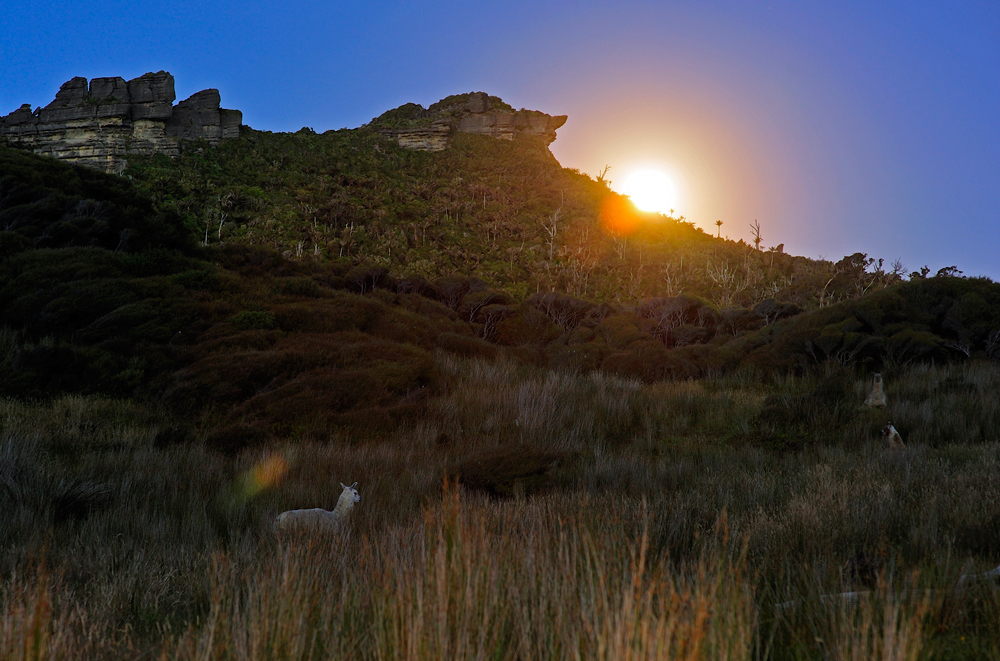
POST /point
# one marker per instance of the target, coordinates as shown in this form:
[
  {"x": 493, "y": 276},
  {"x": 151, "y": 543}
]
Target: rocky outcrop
[
  {"x": 429, "y": 130},
  {"x": 422, "y": 138},
  {"x": 200, "y": 118},
  {"x": 101, "y": 122}
]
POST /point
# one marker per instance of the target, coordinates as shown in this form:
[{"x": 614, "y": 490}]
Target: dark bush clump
[
  {"x": 254, "y": 320},
  {"x": 507, "y": 472},
  {"x": 235, "y": 438}
]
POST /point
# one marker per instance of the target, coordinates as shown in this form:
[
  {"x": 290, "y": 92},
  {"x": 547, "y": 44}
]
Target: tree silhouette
[
  {"x": 718, "y": 224},
  {"x": 755, "y": 226}
]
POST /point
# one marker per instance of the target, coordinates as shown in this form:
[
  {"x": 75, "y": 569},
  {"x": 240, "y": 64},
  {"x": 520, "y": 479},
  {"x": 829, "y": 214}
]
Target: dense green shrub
[
  {"x": 466, "y": 345},
  {"x": 254, "y": 320},
  {"x": 202, "y": 279},
  {"x": 56, "y": 205}
]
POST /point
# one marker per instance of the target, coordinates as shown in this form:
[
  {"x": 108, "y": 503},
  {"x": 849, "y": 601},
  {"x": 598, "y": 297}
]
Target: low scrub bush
[
  {"x": 518, "y": 470},
  {"x": 231, "y": 439},
  {"x": 197, "y": 279},
  {"x": 254, "y": 320},
  {"x": 466, "y": 345}
]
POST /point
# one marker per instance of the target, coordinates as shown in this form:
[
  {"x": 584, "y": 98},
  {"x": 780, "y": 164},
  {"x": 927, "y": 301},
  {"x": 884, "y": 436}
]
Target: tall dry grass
[
  {"x": 474, "y": 579},
  {"x": 658, "y": 533}
]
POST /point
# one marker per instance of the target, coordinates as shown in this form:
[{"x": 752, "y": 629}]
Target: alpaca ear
[
  {"x": 354, "y": 485},
  {"x": 343, "y": 485}
]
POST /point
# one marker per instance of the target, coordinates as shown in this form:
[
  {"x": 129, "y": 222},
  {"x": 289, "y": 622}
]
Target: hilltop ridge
[
  {"x": 101, "y": 122},
  {"x": 430, "y": 129},
  {"x": 488, "y": 201}
]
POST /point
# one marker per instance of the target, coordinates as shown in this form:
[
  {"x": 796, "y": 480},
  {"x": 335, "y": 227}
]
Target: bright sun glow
[{"x": 651, "y": 190}]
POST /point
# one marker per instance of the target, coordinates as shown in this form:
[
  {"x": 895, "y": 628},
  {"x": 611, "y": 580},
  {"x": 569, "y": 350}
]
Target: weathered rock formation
[
  {"x": 429, "y": 130},
  {"x": 101, "y": 122}
]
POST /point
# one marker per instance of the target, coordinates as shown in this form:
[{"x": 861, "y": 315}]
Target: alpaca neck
[{"x": 344, "y": 506}]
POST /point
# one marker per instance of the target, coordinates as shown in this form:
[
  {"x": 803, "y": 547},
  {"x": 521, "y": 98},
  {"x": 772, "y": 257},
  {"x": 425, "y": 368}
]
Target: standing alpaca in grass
[
  {"x": 317, "y": 518},
  {"x": 991, "y": 575},
  {"x": 964, "y": 581},
  {"x": 876, "y": 398},
  {"x": 892, "y": 436}
]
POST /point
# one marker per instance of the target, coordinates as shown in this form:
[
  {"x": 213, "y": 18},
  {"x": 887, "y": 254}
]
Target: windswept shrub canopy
[{"x": 55, "y": 205}]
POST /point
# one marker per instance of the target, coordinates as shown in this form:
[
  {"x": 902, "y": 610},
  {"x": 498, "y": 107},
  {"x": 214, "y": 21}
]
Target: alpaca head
[
  {"x": 891, "y": 435},
  {"x": 878, "y": 377},
  {"x": 350, "y": 494}
]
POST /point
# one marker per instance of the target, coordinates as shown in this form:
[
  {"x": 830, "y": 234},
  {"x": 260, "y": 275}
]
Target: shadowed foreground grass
[
  {"x": 517, "y": 580},
  {"x": 659, "y": 521},
  {"x": 554, "y": 578}
]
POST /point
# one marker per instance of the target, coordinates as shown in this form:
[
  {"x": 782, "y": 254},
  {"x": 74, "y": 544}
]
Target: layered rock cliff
[
  {"x": 101, "y": 122},
  {"x": 429, "y": 129}
]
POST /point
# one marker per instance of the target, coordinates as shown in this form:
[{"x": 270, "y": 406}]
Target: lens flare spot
[
  {"x": 619, "y": 215},
  {"x": 266, "y": 473}
]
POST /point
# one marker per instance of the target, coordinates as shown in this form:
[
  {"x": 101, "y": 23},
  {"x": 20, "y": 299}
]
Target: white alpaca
[
  {"x": 317, "y": 518},
  {"x": 892, "y": 436},
  {"x": 876, "y": 398},
  {"x": 855, "y": 597},
  {"x": 986, "y": 576}
]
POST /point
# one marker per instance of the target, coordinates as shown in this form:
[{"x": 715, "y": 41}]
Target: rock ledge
[
  {"x": 429, "y": 130},
  {"x": 101, "y": 122}
]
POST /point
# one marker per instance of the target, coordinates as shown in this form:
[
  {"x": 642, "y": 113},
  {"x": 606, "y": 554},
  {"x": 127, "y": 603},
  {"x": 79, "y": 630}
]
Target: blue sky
[{"x": 841, "y": 127}]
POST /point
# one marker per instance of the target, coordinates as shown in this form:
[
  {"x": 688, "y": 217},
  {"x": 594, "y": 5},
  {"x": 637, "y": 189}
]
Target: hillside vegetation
[
  {"x": 503, "y": 211},
  {"x": 106, "y": 290},
  {"x": 579, "y": 431}
]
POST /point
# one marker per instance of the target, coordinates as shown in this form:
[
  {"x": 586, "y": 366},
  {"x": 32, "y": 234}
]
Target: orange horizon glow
[
  {"x": 619, "y": 215},
  {"x": 720, "y": 163}
]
